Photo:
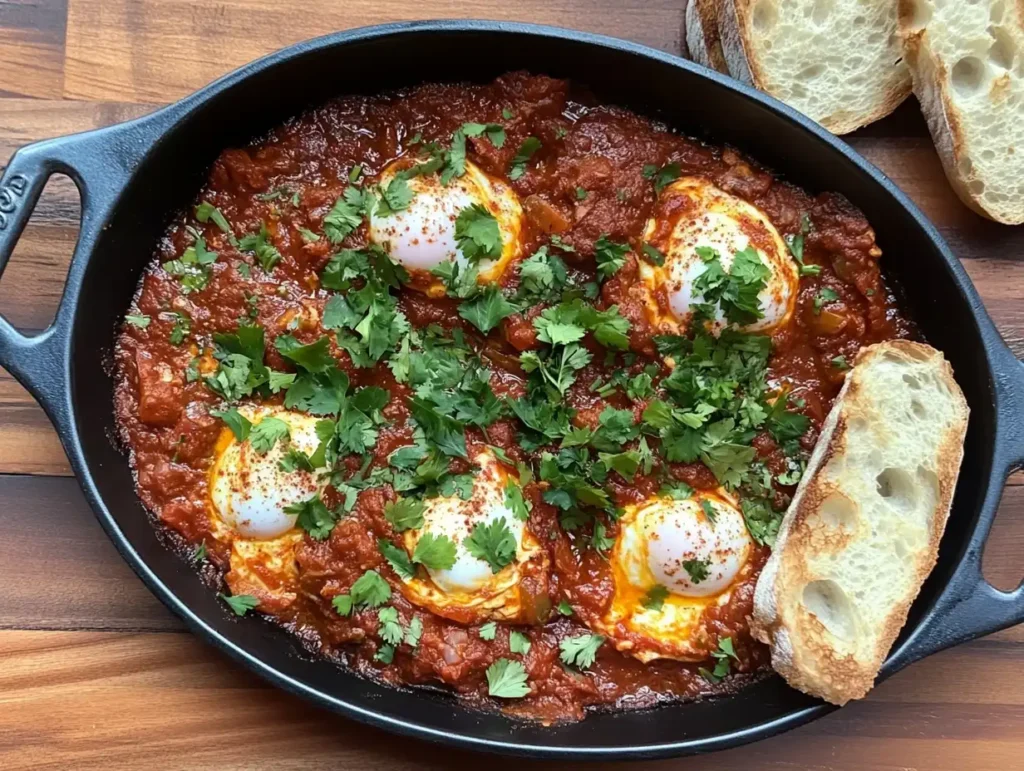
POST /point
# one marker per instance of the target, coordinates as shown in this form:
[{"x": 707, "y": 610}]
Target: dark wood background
[{"x": 95, "y": 673}]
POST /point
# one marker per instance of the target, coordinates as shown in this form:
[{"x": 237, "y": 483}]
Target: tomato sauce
[{"x": 291, "y": 178}]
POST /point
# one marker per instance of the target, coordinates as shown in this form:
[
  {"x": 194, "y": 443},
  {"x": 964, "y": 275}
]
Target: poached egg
[
  {"x": 693, "y": 213},
  {"x": 423, "y": 235},
  {"x": 470, "y": 591},
  {"x": 672, "y": 560}
]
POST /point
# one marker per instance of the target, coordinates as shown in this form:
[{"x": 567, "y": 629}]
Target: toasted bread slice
[
  {"x": 967, "y": 61},
  {"x": 701, "y": 34},
  {"x": 838, "y": 62},
  {"x": 863, "y": 530}
]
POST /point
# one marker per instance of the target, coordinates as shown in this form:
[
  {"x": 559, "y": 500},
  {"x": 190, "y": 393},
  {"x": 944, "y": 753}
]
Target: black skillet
[{"x": 132, "y": 177}]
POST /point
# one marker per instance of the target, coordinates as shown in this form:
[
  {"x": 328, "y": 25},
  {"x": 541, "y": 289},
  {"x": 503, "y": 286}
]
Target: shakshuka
[{"x": 495, "y": 387}]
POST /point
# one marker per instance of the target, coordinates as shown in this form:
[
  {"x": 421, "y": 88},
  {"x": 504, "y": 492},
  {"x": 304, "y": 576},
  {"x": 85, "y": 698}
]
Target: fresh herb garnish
[
  {"x": 240, "y": 603},
  {"x": 580, "y": 651},
  {"x": 506, "y": 679},
  {"x": 526, "y": 151}
]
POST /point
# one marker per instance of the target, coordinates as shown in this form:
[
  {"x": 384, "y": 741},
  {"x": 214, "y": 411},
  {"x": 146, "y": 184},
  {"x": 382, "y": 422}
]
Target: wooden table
[{"x": 95, "y": 673}]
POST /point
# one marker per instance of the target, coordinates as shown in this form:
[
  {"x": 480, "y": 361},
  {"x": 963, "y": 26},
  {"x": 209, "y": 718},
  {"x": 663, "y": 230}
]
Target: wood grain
[
  {"x": 96, "y": 673},
  {"x": 126, "y": 700}
]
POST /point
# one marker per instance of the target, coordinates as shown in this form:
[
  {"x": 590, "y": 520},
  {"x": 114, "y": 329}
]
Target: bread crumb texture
[
  {"x": 839, "y": 62},
  {"x": 967, "y": 59}
]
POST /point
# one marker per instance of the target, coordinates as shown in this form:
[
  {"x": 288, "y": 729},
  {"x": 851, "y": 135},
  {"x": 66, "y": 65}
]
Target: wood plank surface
[{"x": 96, "y": 673}]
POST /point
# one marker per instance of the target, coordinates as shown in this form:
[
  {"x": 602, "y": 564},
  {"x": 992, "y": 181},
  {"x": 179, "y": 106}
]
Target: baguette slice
[
  {"x": 837, "y": 61},
  {"x": 863, "y": 530},
  {"x": 701, "y": 34},
  {"x": 967, "y": 62}
]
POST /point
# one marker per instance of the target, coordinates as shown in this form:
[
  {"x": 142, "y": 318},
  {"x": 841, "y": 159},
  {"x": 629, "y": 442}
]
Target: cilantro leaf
[
  {"x": 493, "y": 543},
  {"x": 240, "y": 603},
  {"x": 405, "y": 514},
  {"x": 347, "y": 214},
  {"x": 580, "y": 651},
  {"x": 267, "y": 433},
  {"x": 825, "y": 295},
  {"x": 262, "y": 247},
  {"x": 564, "y": 608},
  {"x": 488, "y": 631},
  {"x": 477, "y": 233},
  {"x": 697, "y": 569},
  {"x": 655, "y": 597},
  {"x": 314, "y": 517},
  {"x": 315, "y": 357},
  {"x": 611, "y": 256},
  {"x": 370, "y": 590},
  {"x": 493, "y": 131},
  {"x": 486, "y": 310},
  {"x": 206, "y": 211},
  {"x": 506, "y": 679},
  {"x": 515, "y": 501},
  {"x": 414, "y": 632},
  {"x": 436, "y": 552},
  {"x": 525, "y": 152},
  {"x": 395, "y": 197},
  {"x": 389, "y": 629},
  {"x": 236, "y": 421},
  {"x": 518, "y": 643},
  {"x": 138, "y": 321},
  {"x": 652, "y": 253},
  {"x": 665, "y": 176},
  {"x": 397, "y": 558}
]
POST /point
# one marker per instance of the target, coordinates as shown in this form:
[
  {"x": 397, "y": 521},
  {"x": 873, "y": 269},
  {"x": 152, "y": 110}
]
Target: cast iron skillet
[{"x": 133, "y": 176}]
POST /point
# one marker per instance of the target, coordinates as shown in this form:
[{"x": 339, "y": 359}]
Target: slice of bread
[
  {"x": 837, "y": 61},
  {"x": 700, "y": 34},
  {"x": 863, "y": 530},
  {"x": 967, "y": 61}
]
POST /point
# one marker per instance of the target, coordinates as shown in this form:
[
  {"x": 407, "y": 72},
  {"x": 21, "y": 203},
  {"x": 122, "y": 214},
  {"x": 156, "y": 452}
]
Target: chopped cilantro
[
  {"x": 580, "y": 651},
  {"x": 507, "y": 679},
  {"x": 697, "y": 569},
  {"x": 370, "y": 590},
  {"x": 840, "y": 363},
  {"x": 395, "y": 197},
  {"x": 397, "y": 558},
  {"x": 267, "y": 433},
  {"x": 487, "y": 309},
  {"x": 515, "y": 501},
  {"x": 413, "y": 632},
  {"x": 240, "y": 603},
  {"x": 347, "y": 213},
  {"x": 313, "y": 516},
  {"x": 611, "y": 256},
  {"x": 664, "y": 176},
  {"x": 655, "y": 597},
  {"x": 652, "y": 253},
  {"x": 722, "y": 655},
  {"x": 405, "y": 514},
  {"x": 138, "y": 320},
  {"x": 488, "y": 631},
  {"x": 493, "y": 543},
  {"x": 477, "y": 233},
  {"x": 262, "y": 247},
  {"x": 581, "y": 194},
  {"x": 436, "y": 552},
  {"x": 518, "y": 643},
  {"x": 206, "y": 212},
  {"x": 565, "y": 608},
  {"x": 315, "y": 357},
  {"x": 825, "y": 295},
  {"x": 236, "y": 421},
  {"x": 389, "y": 628},
  {"x": 493, "y": 131},
  {"x": 526, "y": 151}
]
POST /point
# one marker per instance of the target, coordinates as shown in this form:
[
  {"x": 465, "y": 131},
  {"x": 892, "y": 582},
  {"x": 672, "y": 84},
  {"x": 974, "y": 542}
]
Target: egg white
[
  {"x": 422, "y": 236},
  {"x": 470, "y": 591},
  {"x": 705, "y": 216},
  {"x": 248, "y": 492},
  {"x": 655, "y": 539}
]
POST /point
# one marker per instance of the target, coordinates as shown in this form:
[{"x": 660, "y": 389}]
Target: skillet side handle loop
[
  {"x": 30, "y": 359},
  {"x": 970, "y": 607}
]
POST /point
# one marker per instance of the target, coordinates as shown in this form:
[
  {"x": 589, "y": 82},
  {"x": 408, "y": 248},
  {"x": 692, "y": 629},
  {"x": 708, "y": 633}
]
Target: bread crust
[
  {"x": 735, "y": 24},
  {"x": 803, "y": 650},
  {"x": 930, "y": 79},
  {"x": 701, "y": 34}
]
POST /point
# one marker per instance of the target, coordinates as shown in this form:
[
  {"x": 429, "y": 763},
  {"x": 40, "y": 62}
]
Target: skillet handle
[
  {"x": 100, "y": 163},
  {"x": 970, "y": 607}
]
